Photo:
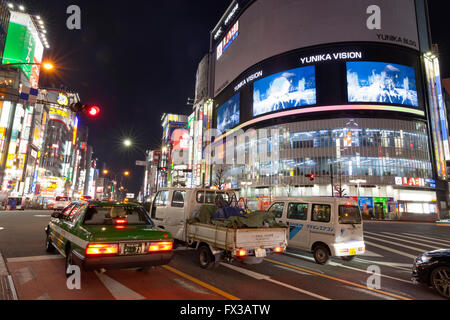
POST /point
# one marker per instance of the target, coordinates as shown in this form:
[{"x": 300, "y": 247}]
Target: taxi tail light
[
  {"x": 278, "y": 249},
  {"x": 102, "y": 248},
  {"x": 241, "y": 253},
  {"x": 120, "y": 221},
  {"x": 160, "y": 246}
]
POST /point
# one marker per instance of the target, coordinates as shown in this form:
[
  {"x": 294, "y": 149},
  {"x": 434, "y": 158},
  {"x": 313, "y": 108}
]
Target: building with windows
[{"x": 349, "y": 96}]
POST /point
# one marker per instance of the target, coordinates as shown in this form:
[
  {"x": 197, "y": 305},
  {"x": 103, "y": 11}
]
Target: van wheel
[
  {"x": 321, "y": 254},
  {"x": 206, "y": 258},
  {"x": 348, "y": 258}
]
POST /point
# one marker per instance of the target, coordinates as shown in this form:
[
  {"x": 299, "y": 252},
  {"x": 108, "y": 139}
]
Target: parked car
[
  {"x": 433, "y": 269},
  {"x": 108, "y": 235},
  {"x": 60, "y": 203}
]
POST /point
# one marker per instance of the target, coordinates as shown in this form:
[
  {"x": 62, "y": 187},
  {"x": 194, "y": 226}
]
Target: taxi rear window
[{"x": 107, "y": 215}]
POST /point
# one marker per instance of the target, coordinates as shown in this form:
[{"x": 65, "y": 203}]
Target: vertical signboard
[
  {"x": 24, "y": 46},
  {"x": 437, "y": 115}
]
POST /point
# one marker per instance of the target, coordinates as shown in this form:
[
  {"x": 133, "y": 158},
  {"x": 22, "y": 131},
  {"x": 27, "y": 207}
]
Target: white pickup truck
[{"x": 172, "y": 208}]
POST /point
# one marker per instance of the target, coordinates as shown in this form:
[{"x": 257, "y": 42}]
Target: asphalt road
[{"x": 391, "y": 247}]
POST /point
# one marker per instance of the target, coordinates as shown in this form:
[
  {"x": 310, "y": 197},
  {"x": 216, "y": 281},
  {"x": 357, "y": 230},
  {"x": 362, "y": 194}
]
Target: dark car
[{"x": 433, "y": 269}]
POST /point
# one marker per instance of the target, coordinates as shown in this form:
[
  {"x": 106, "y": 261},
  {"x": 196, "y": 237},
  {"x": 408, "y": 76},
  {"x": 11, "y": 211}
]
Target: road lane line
[
  {"x": 396, "y": 265},
  {"x": 35, "y": 258},
  {"x": 430, "y": 238},
  {"x": 201, "y": 283},
  {"x": 399, "y": 239},
  {"x": 332, "y": 263},
  {"x": 118, "y": 290},
  {"x": 390, "y": 249},
  {"x": 340, "y": 280},
  {"x": 398, "y": 244},
  {"x": 1, "y": 228},
  {"x": 414, "y": 238},
  {"x": 259, "y": 276}
]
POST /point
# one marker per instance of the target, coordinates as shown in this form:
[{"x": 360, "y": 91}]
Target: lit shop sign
[
  {"x": 331, "y": 57},
  {"x": 228, "y": 39},
  {"x": 232, "y": 13},
  {"x": 62, "y": 100},
  {"x": 413, "y": 182}
]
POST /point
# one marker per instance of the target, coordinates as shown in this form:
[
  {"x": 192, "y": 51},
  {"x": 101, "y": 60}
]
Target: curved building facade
[{"x": 343, "y": 91}]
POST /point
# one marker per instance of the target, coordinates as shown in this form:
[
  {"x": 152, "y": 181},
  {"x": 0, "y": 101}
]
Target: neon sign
[{"x": 228, "y": 39}]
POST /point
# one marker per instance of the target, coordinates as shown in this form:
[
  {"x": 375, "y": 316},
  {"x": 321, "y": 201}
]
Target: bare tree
[{"x": 219, "y": 175}]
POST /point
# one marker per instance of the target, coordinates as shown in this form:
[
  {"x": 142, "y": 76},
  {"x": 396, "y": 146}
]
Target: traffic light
[
  {"x": 88, "y": 109},
  {"x": 311, "y": 176}
]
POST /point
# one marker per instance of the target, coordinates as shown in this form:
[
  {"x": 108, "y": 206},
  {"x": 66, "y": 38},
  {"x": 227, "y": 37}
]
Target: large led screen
[
  {"x": 228, "y": 114},
  {"x": 381, "y": 82},
  {"x": 284, "y": 90}
]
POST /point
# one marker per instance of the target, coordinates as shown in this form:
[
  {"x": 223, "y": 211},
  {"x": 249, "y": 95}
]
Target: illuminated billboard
[
  {"x": 285, "y": 90},
  {"x": 24, "y": 46},
  {"x": 381, "y": 82},
  {"x": 228, "y": 114},
  {"x": 267, "y": 28}
]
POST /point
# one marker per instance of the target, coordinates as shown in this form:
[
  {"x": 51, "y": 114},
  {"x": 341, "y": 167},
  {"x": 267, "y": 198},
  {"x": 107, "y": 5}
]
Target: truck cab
[
  {"x": 171, "y": 207},
  {"x": 324, "y": 226}
]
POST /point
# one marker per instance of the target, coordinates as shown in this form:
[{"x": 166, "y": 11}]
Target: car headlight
[{"x": 424, "y": 259}]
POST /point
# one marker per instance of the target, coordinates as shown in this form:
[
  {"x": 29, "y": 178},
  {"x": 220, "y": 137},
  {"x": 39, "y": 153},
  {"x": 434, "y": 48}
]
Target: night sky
[{"x": 138, "y": 59}]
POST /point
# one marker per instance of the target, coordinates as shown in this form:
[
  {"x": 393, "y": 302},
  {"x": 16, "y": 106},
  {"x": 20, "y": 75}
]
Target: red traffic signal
[{"x": 92, "y": 111}]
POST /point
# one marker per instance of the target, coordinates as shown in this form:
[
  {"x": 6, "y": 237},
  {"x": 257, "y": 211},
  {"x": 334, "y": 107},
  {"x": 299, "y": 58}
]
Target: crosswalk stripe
[
  {"x": 399, "y": 239},
  {"x": 430, "y": 238},
  {"x": 414, "y": 238},
  {"x": 390, "y": 249},
  {"x": 397, "y": 244},
  {"x": 118, "y": 290}
]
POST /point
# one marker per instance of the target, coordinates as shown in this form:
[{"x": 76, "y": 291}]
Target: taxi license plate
[
  {"x": 352, "y": 252},
  {"x": 260, "y": 253},
  {"x": 132, "y": 248}
]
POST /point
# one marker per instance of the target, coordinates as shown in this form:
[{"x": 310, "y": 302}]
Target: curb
[{"x": 7, "y": 288}]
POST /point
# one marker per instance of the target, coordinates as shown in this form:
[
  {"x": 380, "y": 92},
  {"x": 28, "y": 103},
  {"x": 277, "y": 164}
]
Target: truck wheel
[
  {"x": 206, "y": 258},
  {"x": 48, "y": 244},
  {"x": 348, "y": 258},
  {"x": 321, "y": 254}
]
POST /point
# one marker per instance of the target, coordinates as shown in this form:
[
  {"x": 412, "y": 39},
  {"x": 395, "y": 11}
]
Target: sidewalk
[{"x": 7, "y": 290}]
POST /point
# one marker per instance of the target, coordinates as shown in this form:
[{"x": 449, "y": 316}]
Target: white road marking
[
  {"x": 390, "y": 249},
  {"x": 118, "y": 290},
  {"x": 399, "y": 239},
  {"x": 36, "y": 258},
  {"x": 415, "y": 238},
  {"x": 401, "y": 266},
  {"x": 397, "y": 244},
  {"x": 1, "y": 228},
  {"x": 375, "y": 294},
  {"x": 42, "y": 215},
  {"x": 430, "y": 238},
  {"x": 259, "y": 276},
  {"x": 369, "y": 253}
]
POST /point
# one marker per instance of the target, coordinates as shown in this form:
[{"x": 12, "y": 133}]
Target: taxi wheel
[
  {"x": 69, "y": 261},
  {"x": 348, "y": 258},
  {"x": 321, "y": 254},
  {"x": 206, "y": 258},
  {"x": 48, "y": 245}
]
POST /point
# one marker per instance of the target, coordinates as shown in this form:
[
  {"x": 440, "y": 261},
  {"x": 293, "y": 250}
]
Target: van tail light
[
  {"x": 102, "y": 248},
  {"x": 241, "y": 253},
  {"x": 160, "y": 246},
  {"x": 278, "y": 249}
]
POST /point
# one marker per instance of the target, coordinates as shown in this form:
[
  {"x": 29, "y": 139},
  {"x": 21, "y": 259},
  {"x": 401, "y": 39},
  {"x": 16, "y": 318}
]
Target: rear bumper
[{"x": 123, "y": 262}]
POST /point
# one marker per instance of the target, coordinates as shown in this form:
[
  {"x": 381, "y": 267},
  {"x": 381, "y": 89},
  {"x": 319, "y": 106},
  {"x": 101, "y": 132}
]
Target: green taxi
[{"x": 108, "y": 235}]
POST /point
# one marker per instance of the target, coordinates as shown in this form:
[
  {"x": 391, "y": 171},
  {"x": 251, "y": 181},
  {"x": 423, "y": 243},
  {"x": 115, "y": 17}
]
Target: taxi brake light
[
  {"x": 102, "y": 248},
  {"x": 160, "y": 246},
  {"x": 241, "y": 253}
]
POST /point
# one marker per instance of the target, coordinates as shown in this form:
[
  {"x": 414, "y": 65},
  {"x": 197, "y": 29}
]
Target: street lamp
[
  {"x": 46, "y": 65},
  {"x": 127, "y": 143}
]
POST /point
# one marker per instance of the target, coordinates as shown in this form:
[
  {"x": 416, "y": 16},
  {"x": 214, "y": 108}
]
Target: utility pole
[{"x": 332, "y": 182}]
